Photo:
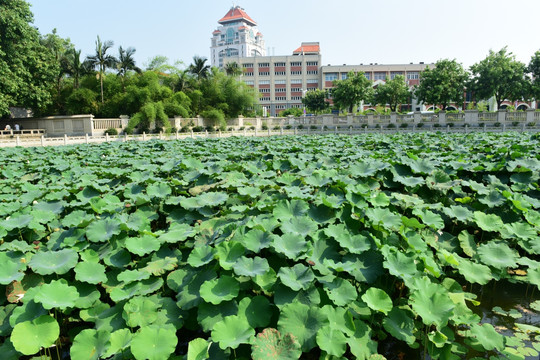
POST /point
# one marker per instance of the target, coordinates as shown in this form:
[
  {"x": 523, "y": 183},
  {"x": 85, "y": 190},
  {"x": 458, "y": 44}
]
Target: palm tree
[
  {"x": 199, "y": 68},
  {"x": 126, "y": 62},
  {"x": 74, "y": 67},
  {"x": 102, "y": 60},
  {"x": 232, "y": 69}
]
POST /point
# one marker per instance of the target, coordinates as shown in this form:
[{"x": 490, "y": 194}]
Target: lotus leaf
[
  {"x": 177, "y": 233},
  {"x": 290, "y": 245},
  {"x": 251, "y": 266},
  {"x": 332, "y": 341},
  {"x": 206, "y": 199},
  {"x": 460, "y": 213},
  {"x": 299, "y": 225},
  {"x": 271, "y": 345},
  {"x": 488, "y": 222},
  {"x": 431, "y": 302},
  {"x": 356, "y": 244},
  {"x": 90, "y": 344},
  {"x": 255, "y": 240},
  {"x": 208, "y": 315},
  {"x": 218, "y": 290},
  {"x": 341, "y": 292},
  {"x": 486, "y": 337},
  {"x": 200, "y": 256},
  {"x": 161, "y": 266},
  {"x": 497, "y": 254},
  {"x": 228, "y": 253},
  {"x": 384, "y": 217},
  {"x": 377, "y": 300},
  {"x": 119, "y": 341},
  {"x": 187, "y": 283},
  {"x": 140, "y": 311},
  {"x": 90, "y": 272},
  {"x": 198, "y": 349},
  {"x": 54, "y": 262},
  {"x": 400, "y": 325},
  {"x": 232, "y": 331},
  {"x": 102, "y": 230},
  {"x": 12, "y": 268},
  {"x": 475, "y": 273},
  {"x": 256, "y": 310},
  {"x": 299, "y": 277},
  {"x": 57, "y": 294},
  {"x": 361, "y": 344},
  {"x": 28, "y": 337},
  {"x": 303, "y": 322},
  {"x": 142, "y": 245},
  {"x": 159, "y": 190},
  {"x": 154, "y": 342}
]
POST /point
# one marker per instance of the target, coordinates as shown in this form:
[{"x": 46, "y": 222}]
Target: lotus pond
[{"x": 406, "y": 246}]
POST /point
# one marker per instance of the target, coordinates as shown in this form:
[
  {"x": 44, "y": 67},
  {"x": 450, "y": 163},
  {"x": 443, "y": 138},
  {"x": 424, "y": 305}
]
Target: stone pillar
[
  {"x": 417, "y": 117},
  {"x": 124, "y": 119},
  {"x": 442, "y": 117},
  {"x": 370, "y": 119},
  {"x": 501, "y": 115},
  {"x": 393, "y": 118},
  {"x": 240, "y": 120},
  {"x": 178, "y": 122},
  {"x": 530, "y": 115},
  {"x": 471, "y": 117}
]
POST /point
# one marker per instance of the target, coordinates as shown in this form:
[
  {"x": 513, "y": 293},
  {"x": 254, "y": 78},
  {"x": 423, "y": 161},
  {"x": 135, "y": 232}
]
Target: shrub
[
  {"x": 276, "y": 128},
  {"x": 215, "y": 116},
  {"x": 391, "y": 126},
  {"x": 451, "y": 124},
  {"x": 403, "y": 125},
  {"x": 230, "y": 129},
  {"x": 436, "y": 125},
  {"x": 421, "y": 125},
  {"x": 241, "y": 128},
  {"x": 210, "y": 128},
  {"x": 252, "y": 128},
  {"x": 300, "y": 126},
  {"x": 515, "y": 123},
  {"x": 198, "y": 129},
  {"x": 313, "y": 127},
  {"x": 264, "y": 127},
  {"x": 111, "y": 131},
  {"x": 288, "y": 127},
  {"x": 531, "y": 124},
  {"x": 223, "y": 127},
  {"x": 185, "y": 129},
  {"x": 497, "y": 124}
]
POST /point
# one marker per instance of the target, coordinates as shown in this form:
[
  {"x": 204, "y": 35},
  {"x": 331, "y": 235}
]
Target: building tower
[{"x": 237, "y": 36}]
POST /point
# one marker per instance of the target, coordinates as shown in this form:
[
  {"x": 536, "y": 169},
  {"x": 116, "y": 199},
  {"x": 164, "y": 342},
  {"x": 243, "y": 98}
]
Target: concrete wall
[{"x": 71, "y": 125}]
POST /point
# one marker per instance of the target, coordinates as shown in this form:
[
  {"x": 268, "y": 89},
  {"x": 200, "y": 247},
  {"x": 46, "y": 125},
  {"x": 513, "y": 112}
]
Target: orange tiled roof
[
  {"x": 216, "y": 32},
  {"x": 307, "y": 49},
  {"x": 236, "y": 13}
]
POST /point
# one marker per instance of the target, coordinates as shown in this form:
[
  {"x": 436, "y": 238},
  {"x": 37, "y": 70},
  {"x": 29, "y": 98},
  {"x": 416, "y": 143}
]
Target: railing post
[
  {"x": 245, "y": 132},
  {"x": 335, "y": 130},
  {"x": 86, "y": 137},
  {"x": 42, "y": 140},
  {"x": 125, "y": 137},
  {"x": 107, "y": 137},
  {"x": 256, "y": 132},
  {"x": 466, "y": 129},
  {"x": 269, "y": 131},
  {"x": 144, "y": 135},
  {"x": 65, "y": 139},
  {"x": 161, "y": 135},
  {"x": 350, "y": 130},
  {"x": 176, "y": 134},
  {"x": 523, "y": 127},
  {"x": 295, "y": 130},
  {"x": 281, "y": 130},
  {"x": 18, "y": 141},
  {"x": 206, "y": 133},
  {"x": 192, "y": 135},
  {"x": 503, "y": 127},
  {"x": 485, "y": 127},
  {"x": 447, "y": 128},
  {"x": 219, "y": 133}
]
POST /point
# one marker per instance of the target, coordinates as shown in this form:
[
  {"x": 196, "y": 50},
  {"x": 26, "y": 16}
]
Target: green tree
[
  {"x": 233, "y": 69},
  {"x": 126, "y": 63},
  {"x": 199, "y": 69},
  {"x": 351, "y": 91},
  {"x": 74, "y": 67},
  {"x": 442, "y": 85},
  {"x": 102, "y": 60},
  {"x": 27, "y": 68},
  {"x": 499, "y": 75},
  {"x": 316, "y": 100},
  {"x": 534, "y": 70},
  {"x": 394, "y": 93}
]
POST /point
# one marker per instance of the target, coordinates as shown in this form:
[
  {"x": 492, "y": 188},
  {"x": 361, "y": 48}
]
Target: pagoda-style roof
[
  {"x": 310, "y": 48},
  {"x": 237, "y": 13}
]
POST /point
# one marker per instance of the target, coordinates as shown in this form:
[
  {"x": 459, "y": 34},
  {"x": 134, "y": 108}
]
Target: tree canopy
[
  {"x": 351, "y": 91},
  {"x": 27, "y": 68},
  {"x": 500, "y": 75},
  {"x": 316, "y": 100},
  {"x": 394, "y": 93},
  {"x": 442, "y": 85}
]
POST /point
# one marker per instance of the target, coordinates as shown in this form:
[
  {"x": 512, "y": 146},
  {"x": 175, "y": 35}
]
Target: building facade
[{"x": 237, "y": 36}]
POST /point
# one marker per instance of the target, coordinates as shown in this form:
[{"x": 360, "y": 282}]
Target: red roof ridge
[{"x": 237, "y": 13}]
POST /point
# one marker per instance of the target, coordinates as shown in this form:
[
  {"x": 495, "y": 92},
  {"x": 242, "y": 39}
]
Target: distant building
[{"x": 237, "y": 36}]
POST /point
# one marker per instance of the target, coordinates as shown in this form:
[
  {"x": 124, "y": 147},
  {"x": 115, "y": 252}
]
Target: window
[
  {"x": 413, "y": 75},
  {"x": 281, "y": 90},
  {"x": 331, "y": 76},
  {"x": 249, "y": 82},
  {"x": 296, "y": 64},
  {"x": 279, "y": 73},
  {"x": 264, "y": 82},
  {"x": 368, "y": 76},
  {"x": 264, "y": 73},
  {"x": 313, "y": 81},
  {"x": 281, "y": 98},
  {"x": 312, "y": 72},
  {"x": 247, "y": 65},
  {"x": 281, "y": 107},
  {"x": 296, "y": 89},
  {"x": 379, "y": 76},
  {"x": 296, "y": 81},
  {"x": 296, "y": 98},
  {"x": 264, "y": 65},
  {"x": 279, "y": 64},
  {"x": 297, "y": 106},
  {"x": 248, "y": 74},
  {"x": 312, "y": 63},
  {"x": 344, "y": 76},
  {"x": 393, "y": 74},
  {"x": 264, "y": 90},
  {"x": 280, "y": 82},
  {"x": 296, "y": 72}
]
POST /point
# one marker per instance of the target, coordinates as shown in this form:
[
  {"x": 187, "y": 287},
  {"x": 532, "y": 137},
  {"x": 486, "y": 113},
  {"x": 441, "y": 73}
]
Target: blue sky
[{"x": 350, "y": 31}]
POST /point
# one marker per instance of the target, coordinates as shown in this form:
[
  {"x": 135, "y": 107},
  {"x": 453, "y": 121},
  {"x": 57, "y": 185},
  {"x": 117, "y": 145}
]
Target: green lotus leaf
[
  {"x": 177, "y": 233},
  {"x": 228, "y": 253},
  {"x": 206, "y": 199},
  {"x": 365, "y": 169},
  {"x": 332, "y": 341},
  {"x": 106, "y": 204},
  {"x": 460, "y": 213},
  {"x": 201, "y": 256},
  {"x": 533, "y": 276},
  {"x": 208, "y": 315},
  {"x": 366, "y": 267},
  {"x": 161, "y": 266},
  {"x": 15, "y": 245},
  {"x": 341, "y": 292},
  {"x": 378, "y": 300},
  {"x": 12, "y": 268},
  {"x": 106, "y": 318},
  {"x": 384, "y": 217},
  {"x": 142, "y": 245},
  {"x": 429, "y": 218},
  {"x": 255, "y": 240},
  {"x": 198, "y": 349},
  {"x": 271, "y": 345},
  {"x": 492, "y": 199},
  {"x": 256, "y": 310},
  {"x": 159, "y": 190},
  {"x": 303, "y": 322},
  {"x": 299, "y": 225},
  {"x": 488, "y": 222},
  {"x": 140, "y": 311},
  {"x": 519, "y": 230},
  {"x": 399, "y": 264},
  {"x": 28, "y": 337},
  {"x": 251, "y": 266},
  {"x": 17, "y": 222},
  {"x": 267, "y": 280},
  {"x": 154, "y": 342},
  {"x": 356, "y": 244},
  {"x": 400, "y": 325},
  {"x": 103, "y": 230},
  {"x": 232, "y": 331},
  {"x": 290, "y": 245},
  {"x": 57, "y": 294},
  {"x": 77, "y": 218},
  {"x": 431, "y": 302},
  {"x": 250, "y": 191},
  {"x": 128, "y": 276},
  {"x": 90, "y": 344},
  {"x": 497, "y": 254},
  {"x": 90, "y": 272},
  {"x": 16, "y": 290},
  {"x": 467, "y": 243},
  {"x": 54, "y": 262},
  {"x": 485, "y": 336},
  {"x": 322, "y": 214},
  {"x": 88, "y": 295},
  {"x": 29, "y": 310},
  {"x": 475, "y": 273},
  {"x": 187, "y": 282},
  {"x": 8, "y": 351},
  {"x": 422, "y": 166},
  {"x": 299, "y": 277},
  {"x": 224, "y": 288},
  {"x": 119, "y": 341}
]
